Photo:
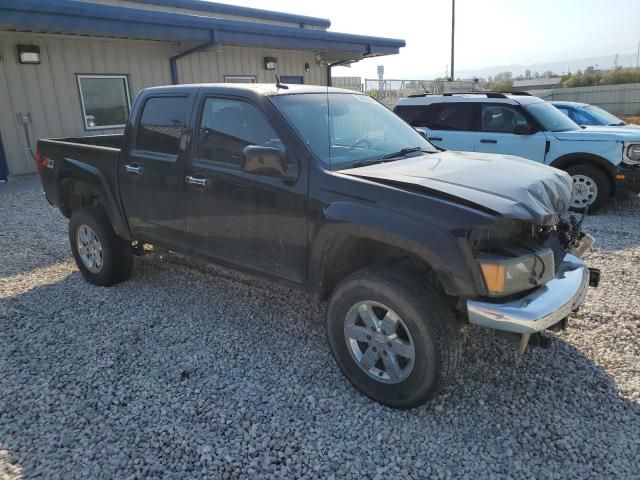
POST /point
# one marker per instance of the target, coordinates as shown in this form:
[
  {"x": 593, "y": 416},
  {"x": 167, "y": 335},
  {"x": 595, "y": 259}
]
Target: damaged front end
[{"x": 534, "y": 277}]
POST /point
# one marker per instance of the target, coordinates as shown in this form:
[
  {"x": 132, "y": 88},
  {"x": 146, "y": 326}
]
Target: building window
[
  {"x": 105, "y": 100},
  {"x": 240, "y": 79}
]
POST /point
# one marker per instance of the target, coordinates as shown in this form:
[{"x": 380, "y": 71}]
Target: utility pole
[
  {"x": 638, "y": 56},
  {"x": 453, "y": 35}
]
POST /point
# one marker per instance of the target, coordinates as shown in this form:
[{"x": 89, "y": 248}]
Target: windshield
[
  {"x": 602, "y": 116},
  {"x": 551, "y": 118},
  {"x": 343, "y": 129}
]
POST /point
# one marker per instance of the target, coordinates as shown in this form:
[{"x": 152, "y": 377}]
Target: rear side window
[
  {"x": 438, "y": 116},
  {"x": 415, "y": 115},
  {"x": 161, "y": 124}
]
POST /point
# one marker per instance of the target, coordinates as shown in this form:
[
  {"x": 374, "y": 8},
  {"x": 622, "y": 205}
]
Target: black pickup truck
[{"x": 328, "y": 191}]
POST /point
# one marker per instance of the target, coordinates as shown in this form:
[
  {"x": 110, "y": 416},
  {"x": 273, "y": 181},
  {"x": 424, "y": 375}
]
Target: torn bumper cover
[{"x": 544, "y": 307}]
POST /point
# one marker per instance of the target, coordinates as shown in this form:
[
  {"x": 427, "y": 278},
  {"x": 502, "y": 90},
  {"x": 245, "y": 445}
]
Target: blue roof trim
[
  {"x": 64, "y": 16},
  {"x": 205, "y": 6}
]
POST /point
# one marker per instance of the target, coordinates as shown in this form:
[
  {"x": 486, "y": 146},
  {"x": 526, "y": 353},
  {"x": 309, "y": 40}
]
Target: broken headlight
[{"x": 516, "y": 270}]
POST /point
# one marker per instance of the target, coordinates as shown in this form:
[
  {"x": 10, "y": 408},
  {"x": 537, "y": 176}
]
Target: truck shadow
[{"x": 137, "y": 378}]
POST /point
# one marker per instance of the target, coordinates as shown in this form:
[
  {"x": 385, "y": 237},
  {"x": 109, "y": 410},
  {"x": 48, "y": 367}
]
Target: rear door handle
[
  {"x": 437, "y": 139},
  {"x": 197, "y": 181},
  {"x": 133, "y": 169},
  {"x": 488, "y": 140}
]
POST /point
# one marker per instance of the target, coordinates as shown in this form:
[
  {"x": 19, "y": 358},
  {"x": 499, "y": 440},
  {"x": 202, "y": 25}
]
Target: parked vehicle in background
[
  {"x": 602, "y": 162},
  {"x": 328, "y": 191},
  {"x": 590, "y": 115}
]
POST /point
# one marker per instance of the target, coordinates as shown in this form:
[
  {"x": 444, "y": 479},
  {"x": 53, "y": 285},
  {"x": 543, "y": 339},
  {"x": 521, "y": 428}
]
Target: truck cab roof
[{"x": 265, "y": 89}]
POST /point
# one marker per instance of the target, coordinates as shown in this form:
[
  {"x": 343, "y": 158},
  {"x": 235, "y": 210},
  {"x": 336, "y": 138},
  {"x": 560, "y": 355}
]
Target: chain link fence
[{"x": 388, "y": 92}]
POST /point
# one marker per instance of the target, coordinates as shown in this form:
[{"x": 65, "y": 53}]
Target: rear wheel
[
  {"x": 393, "y": 336},
  {"x": 102, "y": 257},
  {"x": 591, "y": 188}
]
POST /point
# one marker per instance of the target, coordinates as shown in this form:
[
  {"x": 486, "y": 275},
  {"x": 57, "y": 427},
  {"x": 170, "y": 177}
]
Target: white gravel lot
[{"x": 190, "y": 371}]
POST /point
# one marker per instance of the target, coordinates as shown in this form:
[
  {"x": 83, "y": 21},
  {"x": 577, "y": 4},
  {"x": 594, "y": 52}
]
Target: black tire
[
  {"x": 117, "y": 255},
  {"x": 581, "y": 172},
  {"x": 429, "y": 319}
]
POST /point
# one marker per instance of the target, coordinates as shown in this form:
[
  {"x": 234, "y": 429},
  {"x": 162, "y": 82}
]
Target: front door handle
[
  {"x": 488, "y": 140},
  {"x": 197, "y": 181},
  {"x": 133, "y": 169},
  {"x": 437, "y": 139}
]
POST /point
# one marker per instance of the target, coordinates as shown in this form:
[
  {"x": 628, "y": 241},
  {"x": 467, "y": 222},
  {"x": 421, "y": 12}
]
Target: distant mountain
[{"x": 603, "y": 62}]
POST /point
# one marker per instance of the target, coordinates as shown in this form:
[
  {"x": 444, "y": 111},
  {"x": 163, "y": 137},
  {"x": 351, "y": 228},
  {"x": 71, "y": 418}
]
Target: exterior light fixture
[
  {"x": 307, "y": 67},
  {"x": 270, "y": 63},
  {"x": 29, "y": 54}
]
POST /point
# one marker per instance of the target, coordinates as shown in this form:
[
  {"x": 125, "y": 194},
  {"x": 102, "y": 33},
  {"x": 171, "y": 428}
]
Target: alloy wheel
[
  {"x": 89, "y": 248},
  {"x": 379, "y": 341}
]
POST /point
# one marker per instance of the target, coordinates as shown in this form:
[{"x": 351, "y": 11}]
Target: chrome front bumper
[{"x": 542, "y": 308}]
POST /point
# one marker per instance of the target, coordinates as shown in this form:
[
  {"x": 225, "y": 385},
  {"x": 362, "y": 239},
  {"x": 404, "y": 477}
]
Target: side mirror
[
  {"x": 265, "y": 161},
  {"x": 421, "y": 132},
  {"x": 523, "y": 129}
]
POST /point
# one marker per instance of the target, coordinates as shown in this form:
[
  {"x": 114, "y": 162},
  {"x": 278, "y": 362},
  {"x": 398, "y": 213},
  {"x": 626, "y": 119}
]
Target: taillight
[{"x": 40, "y": 162}]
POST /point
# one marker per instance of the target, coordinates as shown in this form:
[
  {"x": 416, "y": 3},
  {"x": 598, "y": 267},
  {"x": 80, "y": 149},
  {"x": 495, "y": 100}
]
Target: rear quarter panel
[{"x": 91, "y": 164}]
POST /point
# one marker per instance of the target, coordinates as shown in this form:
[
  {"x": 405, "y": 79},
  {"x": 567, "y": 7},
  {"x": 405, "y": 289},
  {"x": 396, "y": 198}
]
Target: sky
[{"x": 488, "y": 32}]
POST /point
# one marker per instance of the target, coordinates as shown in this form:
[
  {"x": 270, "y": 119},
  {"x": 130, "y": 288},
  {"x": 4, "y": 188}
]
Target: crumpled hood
[
  {"x": 600, "y": 133},
  {"x": 508, "y": 185}
]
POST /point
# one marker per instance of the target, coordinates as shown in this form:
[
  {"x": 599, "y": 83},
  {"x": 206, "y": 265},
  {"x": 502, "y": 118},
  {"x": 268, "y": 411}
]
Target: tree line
[{"x": 588, "y": 77}]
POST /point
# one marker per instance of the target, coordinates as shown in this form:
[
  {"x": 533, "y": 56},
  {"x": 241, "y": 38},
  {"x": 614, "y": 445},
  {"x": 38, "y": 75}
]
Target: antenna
[{"x": 278, "y": 84}]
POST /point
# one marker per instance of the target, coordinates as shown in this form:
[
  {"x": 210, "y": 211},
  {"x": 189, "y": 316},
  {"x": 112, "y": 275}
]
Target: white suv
[{"x": 602, "y": 161}]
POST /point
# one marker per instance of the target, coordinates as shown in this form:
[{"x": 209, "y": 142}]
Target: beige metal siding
[
  {"x": 49, "y": 91},
  {"x": 187, "y": 11},
  {"x": 213, "y": 65}
]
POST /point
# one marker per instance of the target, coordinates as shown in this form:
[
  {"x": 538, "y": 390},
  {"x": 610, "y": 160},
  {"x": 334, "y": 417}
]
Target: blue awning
[
  {"x": 212, "y": 7},
  {"x": 78, "y": 18}
]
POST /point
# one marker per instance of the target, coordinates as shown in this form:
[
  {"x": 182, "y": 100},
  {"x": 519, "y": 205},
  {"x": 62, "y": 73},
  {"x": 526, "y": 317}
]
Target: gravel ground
[{"x": 190, "y": 371}]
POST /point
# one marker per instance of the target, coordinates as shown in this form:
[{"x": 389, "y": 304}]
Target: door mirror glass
[
  {"x": 523, "y": 129},
  {"x": 265, "y": 161}
]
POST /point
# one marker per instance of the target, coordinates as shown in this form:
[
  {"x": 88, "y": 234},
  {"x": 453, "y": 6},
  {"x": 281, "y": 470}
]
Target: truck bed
[
  {"x": 91, "y": 159},
  {"x": 112, "y": 140}
]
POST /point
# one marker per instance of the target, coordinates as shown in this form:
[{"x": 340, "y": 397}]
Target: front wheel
[
  {"x": 591, "y": 188},
  {"x": 393, "y": 336},
  {"x": 102, "y": 257}
]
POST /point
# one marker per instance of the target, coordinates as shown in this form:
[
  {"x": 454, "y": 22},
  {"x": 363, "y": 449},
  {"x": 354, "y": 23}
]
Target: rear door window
[
  {"x": 415, "y": 115},
  {"x": 438, "y": 116},
  {"x": 452, "y": 116},
  {"x": 161, "y": 124}
]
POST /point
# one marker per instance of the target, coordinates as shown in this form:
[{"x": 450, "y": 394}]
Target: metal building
[{"x": 71, "y": 67}]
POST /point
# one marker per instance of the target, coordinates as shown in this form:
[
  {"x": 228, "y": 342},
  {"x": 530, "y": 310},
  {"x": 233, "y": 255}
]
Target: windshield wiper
[
  {"x": 387, "y": 157},
  {"x": 402, "y": 152},
  {"x": 617, "y": 124}
]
